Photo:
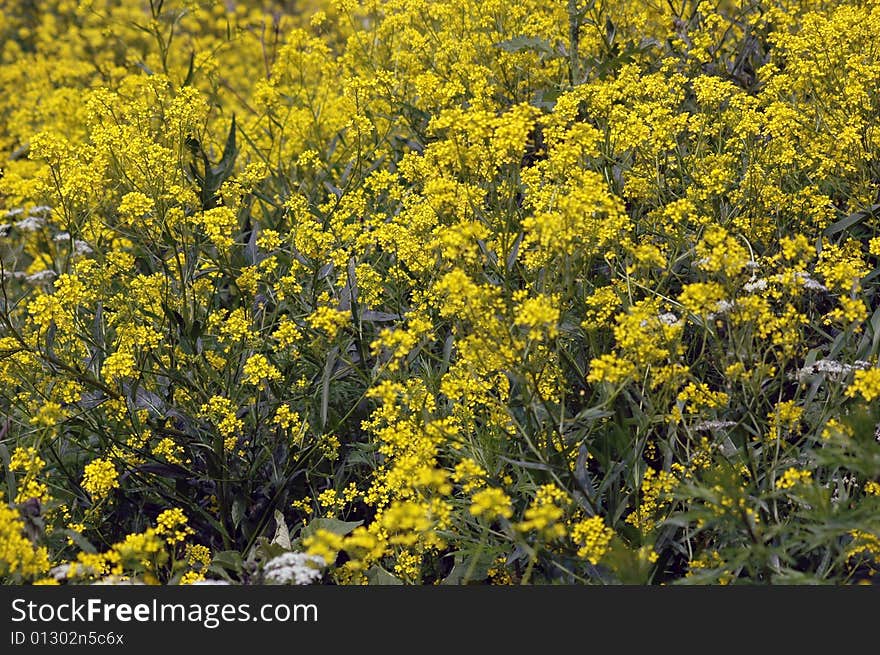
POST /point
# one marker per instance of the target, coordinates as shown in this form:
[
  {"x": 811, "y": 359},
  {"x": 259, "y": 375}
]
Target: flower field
[{"x": 440, "y": 292}]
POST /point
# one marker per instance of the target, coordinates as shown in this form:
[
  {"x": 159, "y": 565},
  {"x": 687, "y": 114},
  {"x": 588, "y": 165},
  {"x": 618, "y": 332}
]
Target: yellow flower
[
  {"x": 866, "y": 383},
  {"x": 169, "y": 450},
  {"x": 656, "y": 497},
  {"x": 793, "y": 477},
  {"x": 491, "y": 503},
  {"x": 592, "y": 537},
  {"x": 257, "y": 369},
  {"x": 323, "y": 543},
  {"x": 100, "y": 478},
  {"x": 539, "y": 316},
  {"x": 172, "y": 524},
  {"x": 328, "y": 320},
  {"x": 702, "y": 298},
  {"x": 544, "y": 514},
  {"x": 220, "y": 411},
  {"x": 18, "y": 556}
]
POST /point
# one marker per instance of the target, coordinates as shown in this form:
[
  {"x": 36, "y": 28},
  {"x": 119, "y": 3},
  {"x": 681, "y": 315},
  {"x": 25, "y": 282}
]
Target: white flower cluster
[
  {"x": 668, "y": 318},
  {"x": 810, "y": 283},
  {"x": 210, "y": 582},
  {"x": 32, "y": 221},
  {"x": 757, "y": 284},
  {"x": 834, "y": 370},
  {"x": 79, "y": 247},
  {"x": 294, "y": 568},
  {"x": 30, "y": 224},
  {"x": 714, "y": 425},
  {"x": 724, "y": 306},
  {"x": 41, "y": 277}
]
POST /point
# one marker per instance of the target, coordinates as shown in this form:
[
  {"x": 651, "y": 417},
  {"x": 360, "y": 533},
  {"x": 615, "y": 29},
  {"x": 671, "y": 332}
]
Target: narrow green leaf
[
  {"x": 325, "y": 385},
  {"x": 237, "y": 511},
  {"x": 189, "y": 73},
  {"x": 4, "y": 457},
  {"x": 851, "y": 220},
  {"x": 525, "y": 44},
  {"x": 227, "y": 161},
  {"x": 335, "y": 526},
  {"x": 84, "y": 544},
  {"x": 379, "y": 576}
]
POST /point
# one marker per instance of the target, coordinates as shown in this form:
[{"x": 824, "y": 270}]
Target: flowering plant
[{"x": 420, "y": 291}]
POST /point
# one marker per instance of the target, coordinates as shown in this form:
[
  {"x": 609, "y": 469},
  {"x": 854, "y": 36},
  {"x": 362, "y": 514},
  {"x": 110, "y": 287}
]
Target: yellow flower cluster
[
  {"x": 793, "y": 477},
  {"x": 257, "y": 369},
  {"x": 491, "y": 503},
  {"x": 486, "y": 276},
  {"x": 592, "y": 537},
  {"x": 656, "y": 490},
  {"x": 865, "y": 384},
  {"x": 100, "y": 477},
  {"x": 172, "y": 525},
  {"x": 544, "y": 515},
  {"x": 220, "y": 411},
  {"x": 19, "y": 557}
]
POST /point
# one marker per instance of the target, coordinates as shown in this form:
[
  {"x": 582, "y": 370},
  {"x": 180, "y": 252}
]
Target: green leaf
[
  {"x": 189, "y": 73},
  {"x": 268, "y": 550},
  {"x": 592, "y": 414},
  {"x": 215, "y": 175},
  {"x": 230, "y": 151},
  {"x": 335, "y": 526},
  {"x": 10, "y": 476},
  {"x": 227, "y": 560},
  {"x": 325, "y": 385},
  {"x": 84, "y": 544},
  {"x": 526, "y": 44},
  {"x": 282, "y": 534},
  {"x": 582, "y": 475},
  {"x": 851, "y": 220},
  {"x": 237, "y": 511},
  {"x": 469, "y": 567},
  {"x": 379, "y": 576},
  {"x": 870, "y": 343}
]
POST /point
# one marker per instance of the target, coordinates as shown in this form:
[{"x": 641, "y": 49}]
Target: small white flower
[
  {"x": 210, "y": 582},
  {"x": 81, "y": 248},
  {"x": 4, "y": 229},
  {"x": 724, "y": 306},
  {"x": 714, "y": 425},
  {"x": 61, "y": 236},
  {"x": 668, "y": 318},
  {"x": 41, "y": 277},
  {"x": 60, "y": 572},
  {"x": 833, "y": 369},
  {"x": 294, "y": 568},
  {"x": 116, "y": 580},
  {"x": 810, "y": 283},
  {"x": 755, "y": 284},
  {"x": 31, "y": 223}
]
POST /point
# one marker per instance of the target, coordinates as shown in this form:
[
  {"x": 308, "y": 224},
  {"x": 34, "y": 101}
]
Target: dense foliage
[{"x": 459, "y": 291}]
